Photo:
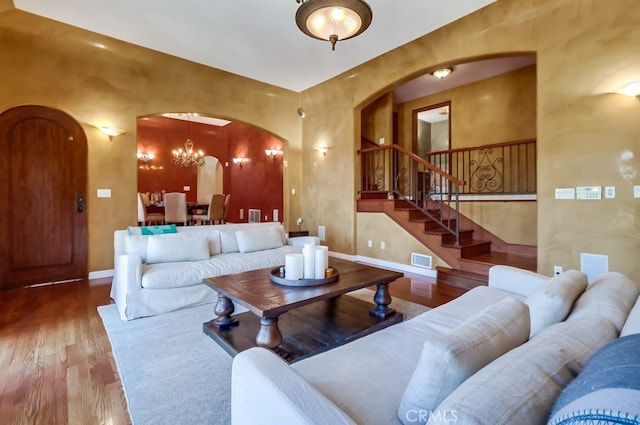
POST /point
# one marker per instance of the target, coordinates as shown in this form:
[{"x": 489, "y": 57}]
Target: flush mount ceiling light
[
  {"x": 333, "y": 20},
  {"x": 442, "y": 73}
]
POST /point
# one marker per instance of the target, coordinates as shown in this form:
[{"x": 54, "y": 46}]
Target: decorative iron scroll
[{"x": 486, "y": 175}]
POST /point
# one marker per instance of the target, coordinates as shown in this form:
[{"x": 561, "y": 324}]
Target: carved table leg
[
  {"x": 223, "y": 310},
  {"x": 382, "y": 300},
  {"x": 269, "y": 334}
]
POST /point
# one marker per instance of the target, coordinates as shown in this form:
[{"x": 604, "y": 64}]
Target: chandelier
[
  {"x": 333, "y": 20},
  {"x": 188, "y": 157}
]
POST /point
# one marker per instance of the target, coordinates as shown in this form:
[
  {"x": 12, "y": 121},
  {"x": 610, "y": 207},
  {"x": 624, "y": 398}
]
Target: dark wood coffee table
[{"x": 317, "y": 318}]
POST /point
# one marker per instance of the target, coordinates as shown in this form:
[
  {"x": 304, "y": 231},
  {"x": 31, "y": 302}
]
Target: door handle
[{"x": 80, "y": 203}]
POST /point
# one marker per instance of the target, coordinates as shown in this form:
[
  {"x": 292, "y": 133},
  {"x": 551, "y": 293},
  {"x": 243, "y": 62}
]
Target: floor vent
[
  {"x": 421, "y": 260},
  {"x": 254, "y": 216}
]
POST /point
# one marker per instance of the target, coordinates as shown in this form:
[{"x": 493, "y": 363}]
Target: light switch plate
[
  {"x": 565, "y": 193},
  {"x": 104, "y": 193},
  {"x": 636, "y": 191},
  {"x": 610, "y": 192}
]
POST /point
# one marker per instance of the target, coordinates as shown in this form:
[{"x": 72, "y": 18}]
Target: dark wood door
[{"x": 43, "y": 175}]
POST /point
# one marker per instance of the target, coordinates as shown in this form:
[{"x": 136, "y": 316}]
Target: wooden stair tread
[
  {"x": 507, "y": 259},
  {"x": 460, "y": 278}
]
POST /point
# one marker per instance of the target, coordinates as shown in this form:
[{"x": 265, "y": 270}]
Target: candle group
[{"x": 311, "y": 264}]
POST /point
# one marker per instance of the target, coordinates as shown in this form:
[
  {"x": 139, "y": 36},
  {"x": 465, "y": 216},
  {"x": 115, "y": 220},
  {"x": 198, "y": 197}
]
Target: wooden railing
[{"x": 404, "y": 175}]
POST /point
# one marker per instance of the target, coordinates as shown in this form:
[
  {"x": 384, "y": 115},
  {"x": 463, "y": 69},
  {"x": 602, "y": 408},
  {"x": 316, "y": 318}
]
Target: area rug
[{"x": 172, "y": 373}]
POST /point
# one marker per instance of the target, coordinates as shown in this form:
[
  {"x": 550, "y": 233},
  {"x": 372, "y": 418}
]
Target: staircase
[{"x": 467, "y": 247}]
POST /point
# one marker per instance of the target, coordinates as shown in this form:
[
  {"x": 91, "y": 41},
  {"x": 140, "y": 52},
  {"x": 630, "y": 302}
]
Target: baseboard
[
  {"x": 99, "y": 274},
  {"x": 406, "y": 268}
]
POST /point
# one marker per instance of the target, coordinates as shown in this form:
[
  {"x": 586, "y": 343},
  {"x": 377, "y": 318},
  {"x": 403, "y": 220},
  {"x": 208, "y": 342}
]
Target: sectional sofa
[
  {"x": 162, "y": 272},
  {"x": 499, "y": 354}
]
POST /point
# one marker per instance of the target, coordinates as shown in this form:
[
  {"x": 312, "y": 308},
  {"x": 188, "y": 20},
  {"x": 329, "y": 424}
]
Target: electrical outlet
[
  {"x": 382, "y": 245},
  {"x": 557, "y": 270},
  {"x": 370, "y": 244}
]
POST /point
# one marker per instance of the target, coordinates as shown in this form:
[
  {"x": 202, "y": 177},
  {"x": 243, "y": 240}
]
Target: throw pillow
[
  {"x": 259, "y": 239},
  {"x": 449, "y": 359},
  {"x": 520, "y": 387},
  {"x": 163, "y": 249},
  {"x": 607, "y": 390},
  {"x": 153, "y": 230},
  {"x": 552, "y": 301},
  {"x": 610, "y": 296},
  {"x": 228, "y": 242}
]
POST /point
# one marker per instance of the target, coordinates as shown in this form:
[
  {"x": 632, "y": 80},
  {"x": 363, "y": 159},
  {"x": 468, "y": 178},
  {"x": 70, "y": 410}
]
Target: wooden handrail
[{"x": 416, "y": 158}]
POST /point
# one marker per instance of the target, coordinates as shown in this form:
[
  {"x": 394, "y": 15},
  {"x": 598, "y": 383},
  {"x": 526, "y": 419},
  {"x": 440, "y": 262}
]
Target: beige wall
[
  {"x": 495, "y": 110},
  {"x": 586, "y": 136},
  {"x": 513, "y": 222},
  {"x": 377, "y": 228},
  {"x": 56, "y": 65}
]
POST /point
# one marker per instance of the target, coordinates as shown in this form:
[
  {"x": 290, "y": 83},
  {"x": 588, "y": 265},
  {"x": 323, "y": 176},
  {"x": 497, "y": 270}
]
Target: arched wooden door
[{"x": 43, "y": 179}]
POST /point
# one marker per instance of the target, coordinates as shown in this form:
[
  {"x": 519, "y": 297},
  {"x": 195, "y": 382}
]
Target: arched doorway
[
  {"x": 43, "y": 180},
  {"x": 210, "y": 178}
]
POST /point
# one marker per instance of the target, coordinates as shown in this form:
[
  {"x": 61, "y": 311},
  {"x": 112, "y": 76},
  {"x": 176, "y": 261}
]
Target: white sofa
[
  {"x": 160, "y": 273},
  {"x": 499, "y": 354}
]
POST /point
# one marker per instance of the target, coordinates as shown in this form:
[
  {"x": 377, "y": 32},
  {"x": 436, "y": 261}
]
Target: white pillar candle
[
  {"x": 319, "y": 263},
  {"x": 325, "y": 250},
  {"x": 308, "y": 252},
  {"x": 293, "y": 266}
]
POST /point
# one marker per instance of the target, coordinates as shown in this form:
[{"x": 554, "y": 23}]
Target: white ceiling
[{"x": 257, "y": 39}]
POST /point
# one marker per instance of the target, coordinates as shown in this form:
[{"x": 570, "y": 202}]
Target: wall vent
[
  {"x": 254, "y": 216},
  {"x": 421, "y": 260}
]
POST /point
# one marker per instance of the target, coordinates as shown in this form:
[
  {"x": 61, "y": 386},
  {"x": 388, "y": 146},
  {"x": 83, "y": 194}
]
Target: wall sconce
[
  {"x": 630, "y": 89},
  {"x": 271, "y": 153},
  {"x": 145, "y": 157},
  {"x": 239, "y": 161},
  {"x": 111, "y": 132},
  {"x": 323, "y": 150}
]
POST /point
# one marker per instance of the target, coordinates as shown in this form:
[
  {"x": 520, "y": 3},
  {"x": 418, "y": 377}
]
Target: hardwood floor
[{"x": 56, "y": 364}]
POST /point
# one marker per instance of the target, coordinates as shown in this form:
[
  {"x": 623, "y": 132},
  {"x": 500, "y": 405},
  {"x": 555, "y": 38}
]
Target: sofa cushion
[
  {"x": 607, "y": 390},
  {"x": 173, "y": 249},
  {"x": 213, "y": 237},
  {"x": 520, "y": 387},
  {"x": 552, "y": 301},
  {"x": 258, "y": 239},
  {"x": 611, "y": 296},
  {"x": 136, "y": 245},
  {"x": 450, "y": 358},
  {"x": 632, "y": 324}
]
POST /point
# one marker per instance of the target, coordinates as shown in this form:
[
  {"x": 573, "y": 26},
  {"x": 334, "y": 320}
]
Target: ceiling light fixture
[
  {"x": 188, "y": 158},
  {"x": 442, "y": 73},
  {"x": 333, "y": 20}
]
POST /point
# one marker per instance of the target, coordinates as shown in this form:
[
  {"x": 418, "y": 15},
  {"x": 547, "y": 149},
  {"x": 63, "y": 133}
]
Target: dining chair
[
  {"x": 227, "y": 199},
  {"x": 145, "y": 218},
  {"x": 175, "y": 208},
  {"x": 216, "y": 209},
  {"x": 204, "y": 218}
]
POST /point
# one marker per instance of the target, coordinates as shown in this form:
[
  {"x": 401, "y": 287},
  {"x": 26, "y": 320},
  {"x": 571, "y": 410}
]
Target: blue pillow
[
  {"x": 153, "y": 230},
  {"x": 607, "y": 391}
]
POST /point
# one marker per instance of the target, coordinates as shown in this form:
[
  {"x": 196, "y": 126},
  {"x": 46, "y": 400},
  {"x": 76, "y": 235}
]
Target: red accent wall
[{"x": 257, "y": 185}]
